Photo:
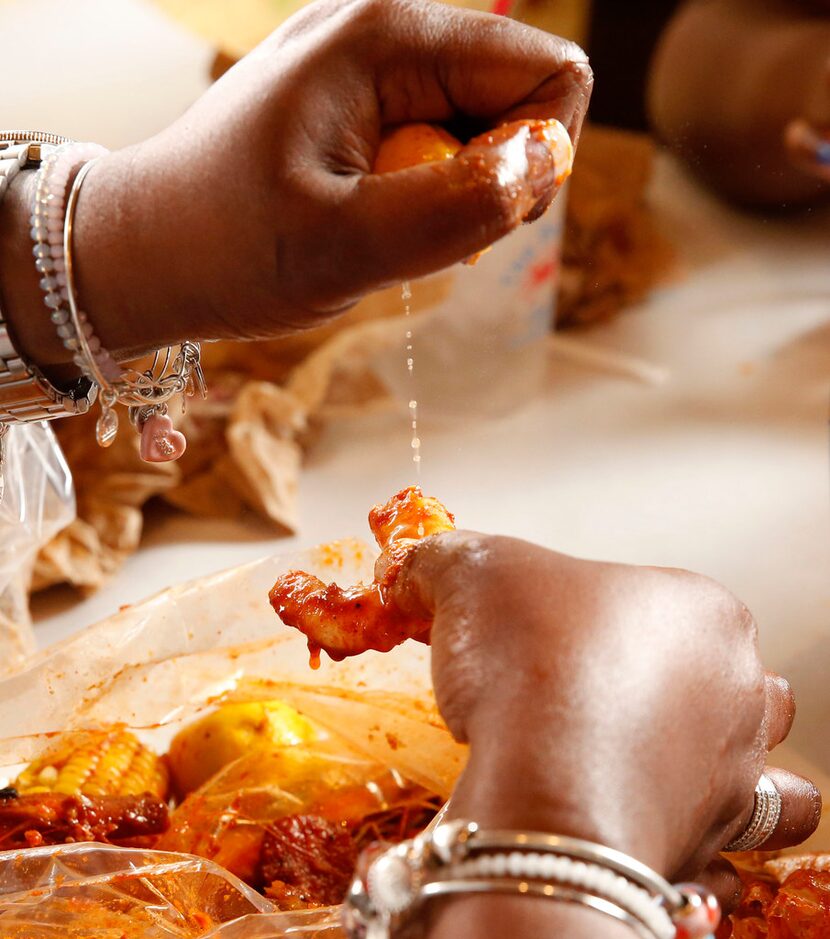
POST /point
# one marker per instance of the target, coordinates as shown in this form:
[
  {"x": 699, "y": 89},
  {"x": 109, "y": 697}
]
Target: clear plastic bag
[
  {"x": 292, "y": 820},
  {"x": 159, "y": 663},
  {"x": 217, "y": 639},
  {"x": 38, "y": 501},
  {"x": 84, "y": 890}
]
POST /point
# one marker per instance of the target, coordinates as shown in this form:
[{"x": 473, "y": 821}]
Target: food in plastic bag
[
  {"x": 289, "y": 817},
  {"x": 291, "y": 821},
  {"x": 785, "y": 896},
  {"x": 350, "y": 621},
  {"x": 87, "y": 890},
  {"x": 48, "y": 818},
  {"x": 96, "y": 764},
  {"x": 203, "y": 748},
  {"x": 382, "y": 764}
]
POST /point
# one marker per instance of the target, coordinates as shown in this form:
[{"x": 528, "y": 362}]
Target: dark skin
[
  {"x": 620, "y": 704},
  {"x": 749, "y": 126},
  {"x": 257, "y": 214}
]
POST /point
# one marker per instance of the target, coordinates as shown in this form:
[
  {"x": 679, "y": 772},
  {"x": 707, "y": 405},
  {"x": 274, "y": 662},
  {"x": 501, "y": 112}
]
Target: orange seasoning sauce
[{"x": 348, "y": 621}]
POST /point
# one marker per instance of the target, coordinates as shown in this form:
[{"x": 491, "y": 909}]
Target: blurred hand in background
[{"x": 740, "y": 89}]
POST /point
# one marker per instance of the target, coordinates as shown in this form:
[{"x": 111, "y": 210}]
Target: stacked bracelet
[
  {"x": 26, "y": 395},
  {"x": 455, "y": 858},
  {"x": 48, "y": 219},
  {"x": 145, "y": 393}
]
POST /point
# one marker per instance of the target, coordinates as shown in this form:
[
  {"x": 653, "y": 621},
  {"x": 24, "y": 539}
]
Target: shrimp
[{"x": 346, "y": 621}]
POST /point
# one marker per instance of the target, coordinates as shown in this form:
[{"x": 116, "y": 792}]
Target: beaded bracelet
[
  {"x": 592, "y": 880},
  {"x": 48, "y": 212},
  {"x": 145, "y": 393}
]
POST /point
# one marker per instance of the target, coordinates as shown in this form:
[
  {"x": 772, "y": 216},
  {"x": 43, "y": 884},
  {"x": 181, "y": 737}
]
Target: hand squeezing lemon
[{"x": 501, "y": 152}]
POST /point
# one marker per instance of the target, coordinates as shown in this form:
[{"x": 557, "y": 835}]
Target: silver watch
[{"x": 25, "y": 394}]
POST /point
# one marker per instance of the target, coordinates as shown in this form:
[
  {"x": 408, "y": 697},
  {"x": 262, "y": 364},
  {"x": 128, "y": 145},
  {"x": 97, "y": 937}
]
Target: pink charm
[
  {"x": 701, "y": 915},
  {"x": 160, "y": 443}
]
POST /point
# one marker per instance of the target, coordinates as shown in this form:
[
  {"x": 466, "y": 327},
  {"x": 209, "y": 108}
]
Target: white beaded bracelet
[
  {"x": 589, "y": 878},
  {"x": 48, "y": 215}
]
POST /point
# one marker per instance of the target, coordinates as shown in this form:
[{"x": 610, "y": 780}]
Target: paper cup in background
[{"x": 481, "y": 349}]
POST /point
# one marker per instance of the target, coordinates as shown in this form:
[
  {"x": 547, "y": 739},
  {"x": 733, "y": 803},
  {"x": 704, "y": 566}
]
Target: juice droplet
[
  {"x": 415, "y": 443},
  {"x": 313, "y": 657}
]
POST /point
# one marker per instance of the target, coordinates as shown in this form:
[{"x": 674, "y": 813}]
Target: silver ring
[{"x": 764, "y": 819}]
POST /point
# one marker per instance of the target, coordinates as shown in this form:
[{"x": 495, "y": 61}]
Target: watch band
[
  {"x": 25, "y": 394},
  {"x": 13, "y": 157}
]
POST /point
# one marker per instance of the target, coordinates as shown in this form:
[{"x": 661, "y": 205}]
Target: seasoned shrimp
[{"x": 348, "y": 621}]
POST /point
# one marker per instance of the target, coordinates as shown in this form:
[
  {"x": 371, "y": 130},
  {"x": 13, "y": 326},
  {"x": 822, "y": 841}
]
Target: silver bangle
[
  {"x": 25, "y": 393},
  {"x": 456, "y": 858},
  {"x": 145, "y": 393}
]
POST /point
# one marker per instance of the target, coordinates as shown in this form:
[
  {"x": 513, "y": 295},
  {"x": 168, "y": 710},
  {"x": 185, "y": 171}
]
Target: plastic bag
[
  {"x": 83, "y": 890},
  {"x": 157, "y": 664},
  {"x": 38, "y": 501},
  {"x": 273, "y": 815},
  {"x": 217, "y": 638}
]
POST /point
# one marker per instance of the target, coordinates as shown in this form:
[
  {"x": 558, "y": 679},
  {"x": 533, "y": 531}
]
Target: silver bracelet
[
  {"x": 145, "y": 393},
  {"x": 456, "y": 858},
  {"x": 25, "y": 393}
]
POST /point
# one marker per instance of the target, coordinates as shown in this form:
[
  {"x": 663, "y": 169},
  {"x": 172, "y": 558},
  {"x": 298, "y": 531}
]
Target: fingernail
[
  {"x": 529, "y": 158},
  {"x": 549, "y": 156},
  {"x": 542, "y": 169}
]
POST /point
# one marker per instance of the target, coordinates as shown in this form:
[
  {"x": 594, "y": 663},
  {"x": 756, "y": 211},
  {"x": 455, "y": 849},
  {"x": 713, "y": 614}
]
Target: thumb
[
  {"x": 415, "y": 221},
  {"x": 437, "y": 571}
]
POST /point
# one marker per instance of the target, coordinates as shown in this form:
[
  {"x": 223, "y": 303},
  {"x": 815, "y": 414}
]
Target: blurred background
[{"x": 184, "y": 40}]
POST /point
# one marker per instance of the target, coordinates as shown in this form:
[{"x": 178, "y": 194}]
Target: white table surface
[{"x": 723, "y": 469}]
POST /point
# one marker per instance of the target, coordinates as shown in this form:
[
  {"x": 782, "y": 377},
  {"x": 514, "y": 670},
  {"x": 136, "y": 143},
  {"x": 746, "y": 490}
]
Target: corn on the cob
[{"x": 114, "y": 763}]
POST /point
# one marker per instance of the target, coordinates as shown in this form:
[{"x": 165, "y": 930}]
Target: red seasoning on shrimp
[{"x": 346, "y": 621}]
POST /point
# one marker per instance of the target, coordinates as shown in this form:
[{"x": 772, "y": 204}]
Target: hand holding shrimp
[{"x": 348, "y": 621}]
